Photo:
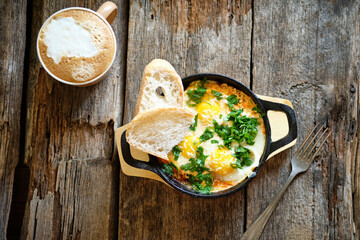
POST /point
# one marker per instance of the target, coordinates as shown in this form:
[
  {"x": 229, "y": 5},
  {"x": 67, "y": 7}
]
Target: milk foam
[{"x": 64, "y": 37}]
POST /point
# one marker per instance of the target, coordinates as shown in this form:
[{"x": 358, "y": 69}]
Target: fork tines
[{"x": 303, "y": 150}]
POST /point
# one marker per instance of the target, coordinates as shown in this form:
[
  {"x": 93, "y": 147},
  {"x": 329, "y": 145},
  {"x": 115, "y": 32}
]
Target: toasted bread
[
  {"x": 161, "y": 86},
  {"x": 158, "y": 130}
]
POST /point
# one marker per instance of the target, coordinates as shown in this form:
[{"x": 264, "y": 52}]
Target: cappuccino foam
[{"x": 76, "y": 45}]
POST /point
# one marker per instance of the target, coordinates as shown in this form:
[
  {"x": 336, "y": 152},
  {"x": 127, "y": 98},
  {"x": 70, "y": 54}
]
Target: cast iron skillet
[{"x": 270, "y": 146}]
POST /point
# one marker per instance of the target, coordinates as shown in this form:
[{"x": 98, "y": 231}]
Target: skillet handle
[
  {"x": 290, "y": 114},
  {"x": 126, "y": 154}
]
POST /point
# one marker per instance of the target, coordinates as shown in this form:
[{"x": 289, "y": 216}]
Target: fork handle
[{"x": 255, "y": 230}]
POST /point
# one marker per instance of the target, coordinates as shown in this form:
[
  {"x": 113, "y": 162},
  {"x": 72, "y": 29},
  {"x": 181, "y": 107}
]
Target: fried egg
[
  {"x": 188, "y": 148},
  {"x": 219, "y": 159}
]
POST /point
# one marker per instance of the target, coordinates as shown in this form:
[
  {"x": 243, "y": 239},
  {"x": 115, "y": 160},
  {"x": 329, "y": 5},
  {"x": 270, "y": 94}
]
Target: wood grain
[
  {"x": 309, "y": 53},
  {"x": 195, "y": 36},
  {"x": 12, "y": 51},
  {"x": 70, "y": 144},
  {"x": 304, "y": 51}
]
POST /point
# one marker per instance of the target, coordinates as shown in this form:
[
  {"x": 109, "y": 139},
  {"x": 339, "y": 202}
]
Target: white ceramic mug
[{"x": 107, "y": 12}]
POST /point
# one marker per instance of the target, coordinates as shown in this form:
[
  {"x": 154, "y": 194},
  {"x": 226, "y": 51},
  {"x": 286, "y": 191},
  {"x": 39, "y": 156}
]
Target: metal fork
[{"x": 299, "y": 163}]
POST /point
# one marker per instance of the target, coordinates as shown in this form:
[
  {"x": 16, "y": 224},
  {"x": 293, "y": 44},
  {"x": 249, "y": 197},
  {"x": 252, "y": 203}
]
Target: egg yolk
[
  {"x": 188, "y": 146},
  {"x": 207, "y": 111},
  {"x": 220, "y": 161}
]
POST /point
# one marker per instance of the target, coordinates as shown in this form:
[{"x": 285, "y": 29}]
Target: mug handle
[
  {"x": 290, "y": 114},
  {"x": 126, "y": 154},
  {"x": 108, "y": 10}
]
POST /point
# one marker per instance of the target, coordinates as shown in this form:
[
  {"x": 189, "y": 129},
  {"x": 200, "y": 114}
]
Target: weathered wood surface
[
  {"x": 200, "y": 36},
  {"x": 69, "y": 146},
  {"x": 305, "y": 51},
  {"x": 309, "y": 54},
  {"x": 12, "y": 51}
]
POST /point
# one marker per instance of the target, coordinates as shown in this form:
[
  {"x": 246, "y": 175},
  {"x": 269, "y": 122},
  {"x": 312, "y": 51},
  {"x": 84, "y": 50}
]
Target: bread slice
[
  {"x": 158, "y": 130},
  {"x": 161, "y": 86}
]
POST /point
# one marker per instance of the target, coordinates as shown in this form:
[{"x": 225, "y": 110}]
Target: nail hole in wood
[{"x": 352, "y": 89}]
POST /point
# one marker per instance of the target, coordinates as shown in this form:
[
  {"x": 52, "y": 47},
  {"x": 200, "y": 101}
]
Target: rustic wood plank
[
  {"x": 195, "y": 36},
  {"x": 70, "y": 144},
  {"x": 12, "y": 51},
  {"x": 309, "y": 53},
  {"x": 353, "y": 152}
]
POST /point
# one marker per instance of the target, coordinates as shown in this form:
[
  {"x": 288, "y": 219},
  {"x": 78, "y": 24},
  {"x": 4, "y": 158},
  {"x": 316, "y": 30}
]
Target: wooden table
[{"x": 59, "y": 171}]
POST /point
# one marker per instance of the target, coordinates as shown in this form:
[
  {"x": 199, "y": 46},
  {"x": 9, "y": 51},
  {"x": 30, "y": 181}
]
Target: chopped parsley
[
  {"x": 242, "y": 156},
  {"x": 196, "y": 94},
  {"x": 196, "y": 165},
  {"x": 232, "y": 100},
  {"x": 258, "y": 110},
  {"x": 197, "y": 182},
  {"x": 243, "y": 128},
  {"x": 203, "y": 180},
  {"x": 208, "y": 133},
  {"x": 214, "y": 141},
  {"x": 176, "y": 151},
  {"x": 193, "y": 127},
  {"x": 168, "y": 168},
  {"x": 217, "y": 94},
  {"x": 223, "y": 132}
]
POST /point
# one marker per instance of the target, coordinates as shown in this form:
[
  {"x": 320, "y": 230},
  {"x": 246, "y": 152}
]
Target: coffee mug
[{"x": 77, "y": 46}]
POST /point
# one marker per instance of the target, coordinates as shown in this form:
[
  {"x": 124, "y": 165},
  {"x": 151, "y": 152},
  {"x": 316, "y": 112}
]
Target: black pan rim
[{"x": 238, "y": 85}]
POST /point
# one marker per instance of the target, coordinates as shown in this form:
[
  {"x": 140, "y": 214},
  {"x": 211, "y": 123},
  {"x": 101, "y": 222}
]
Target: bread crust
[
  {"x": 146, "y": 117},
  {"x": 158, "y": 65}
]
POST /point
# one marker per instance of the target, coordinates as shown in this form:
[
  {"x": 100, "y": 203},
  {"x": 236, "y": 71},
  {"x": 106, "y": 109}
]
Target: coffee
[{"x": 76, "y": 45}]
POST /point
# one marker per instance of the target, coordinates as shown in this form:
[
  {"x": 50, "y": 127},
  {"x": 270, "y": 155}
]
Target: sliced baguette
[
  {"x": 161, "y": 86},
  {"x": 158, "y": 130}
]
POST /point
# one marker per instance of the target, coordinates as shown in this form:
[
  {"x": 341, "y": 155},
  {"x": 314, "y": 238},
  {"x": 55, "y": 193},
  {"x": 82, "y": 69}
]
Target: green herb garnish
[
  {"x": 242, "y": 156},
  {"x": 176, "y": 151},
  {"x": 220, "y": 146},
  {"x": 196, "y": 95},
  {"x": 258, "y": 110},
  {"x": 214, "y": 141},
  {"x": 196, "y": 165},
  {"x": 232, "y": 100},
  {"x": 203, "y": 81},
  {"x": 243, "y": 128},
  {"x": 193, "y": 127},
  {"x": 168, "y": 168},
  {"x": 208, "y": 133},
  {"x": 216, "y": 94},
  {"x": 203, "y": 180},
  {"x": 174, "y": 166}
]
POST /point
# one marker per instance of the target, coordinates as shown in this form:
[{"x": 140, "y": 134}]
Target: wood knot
[{"x": 352, "y": 89}]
